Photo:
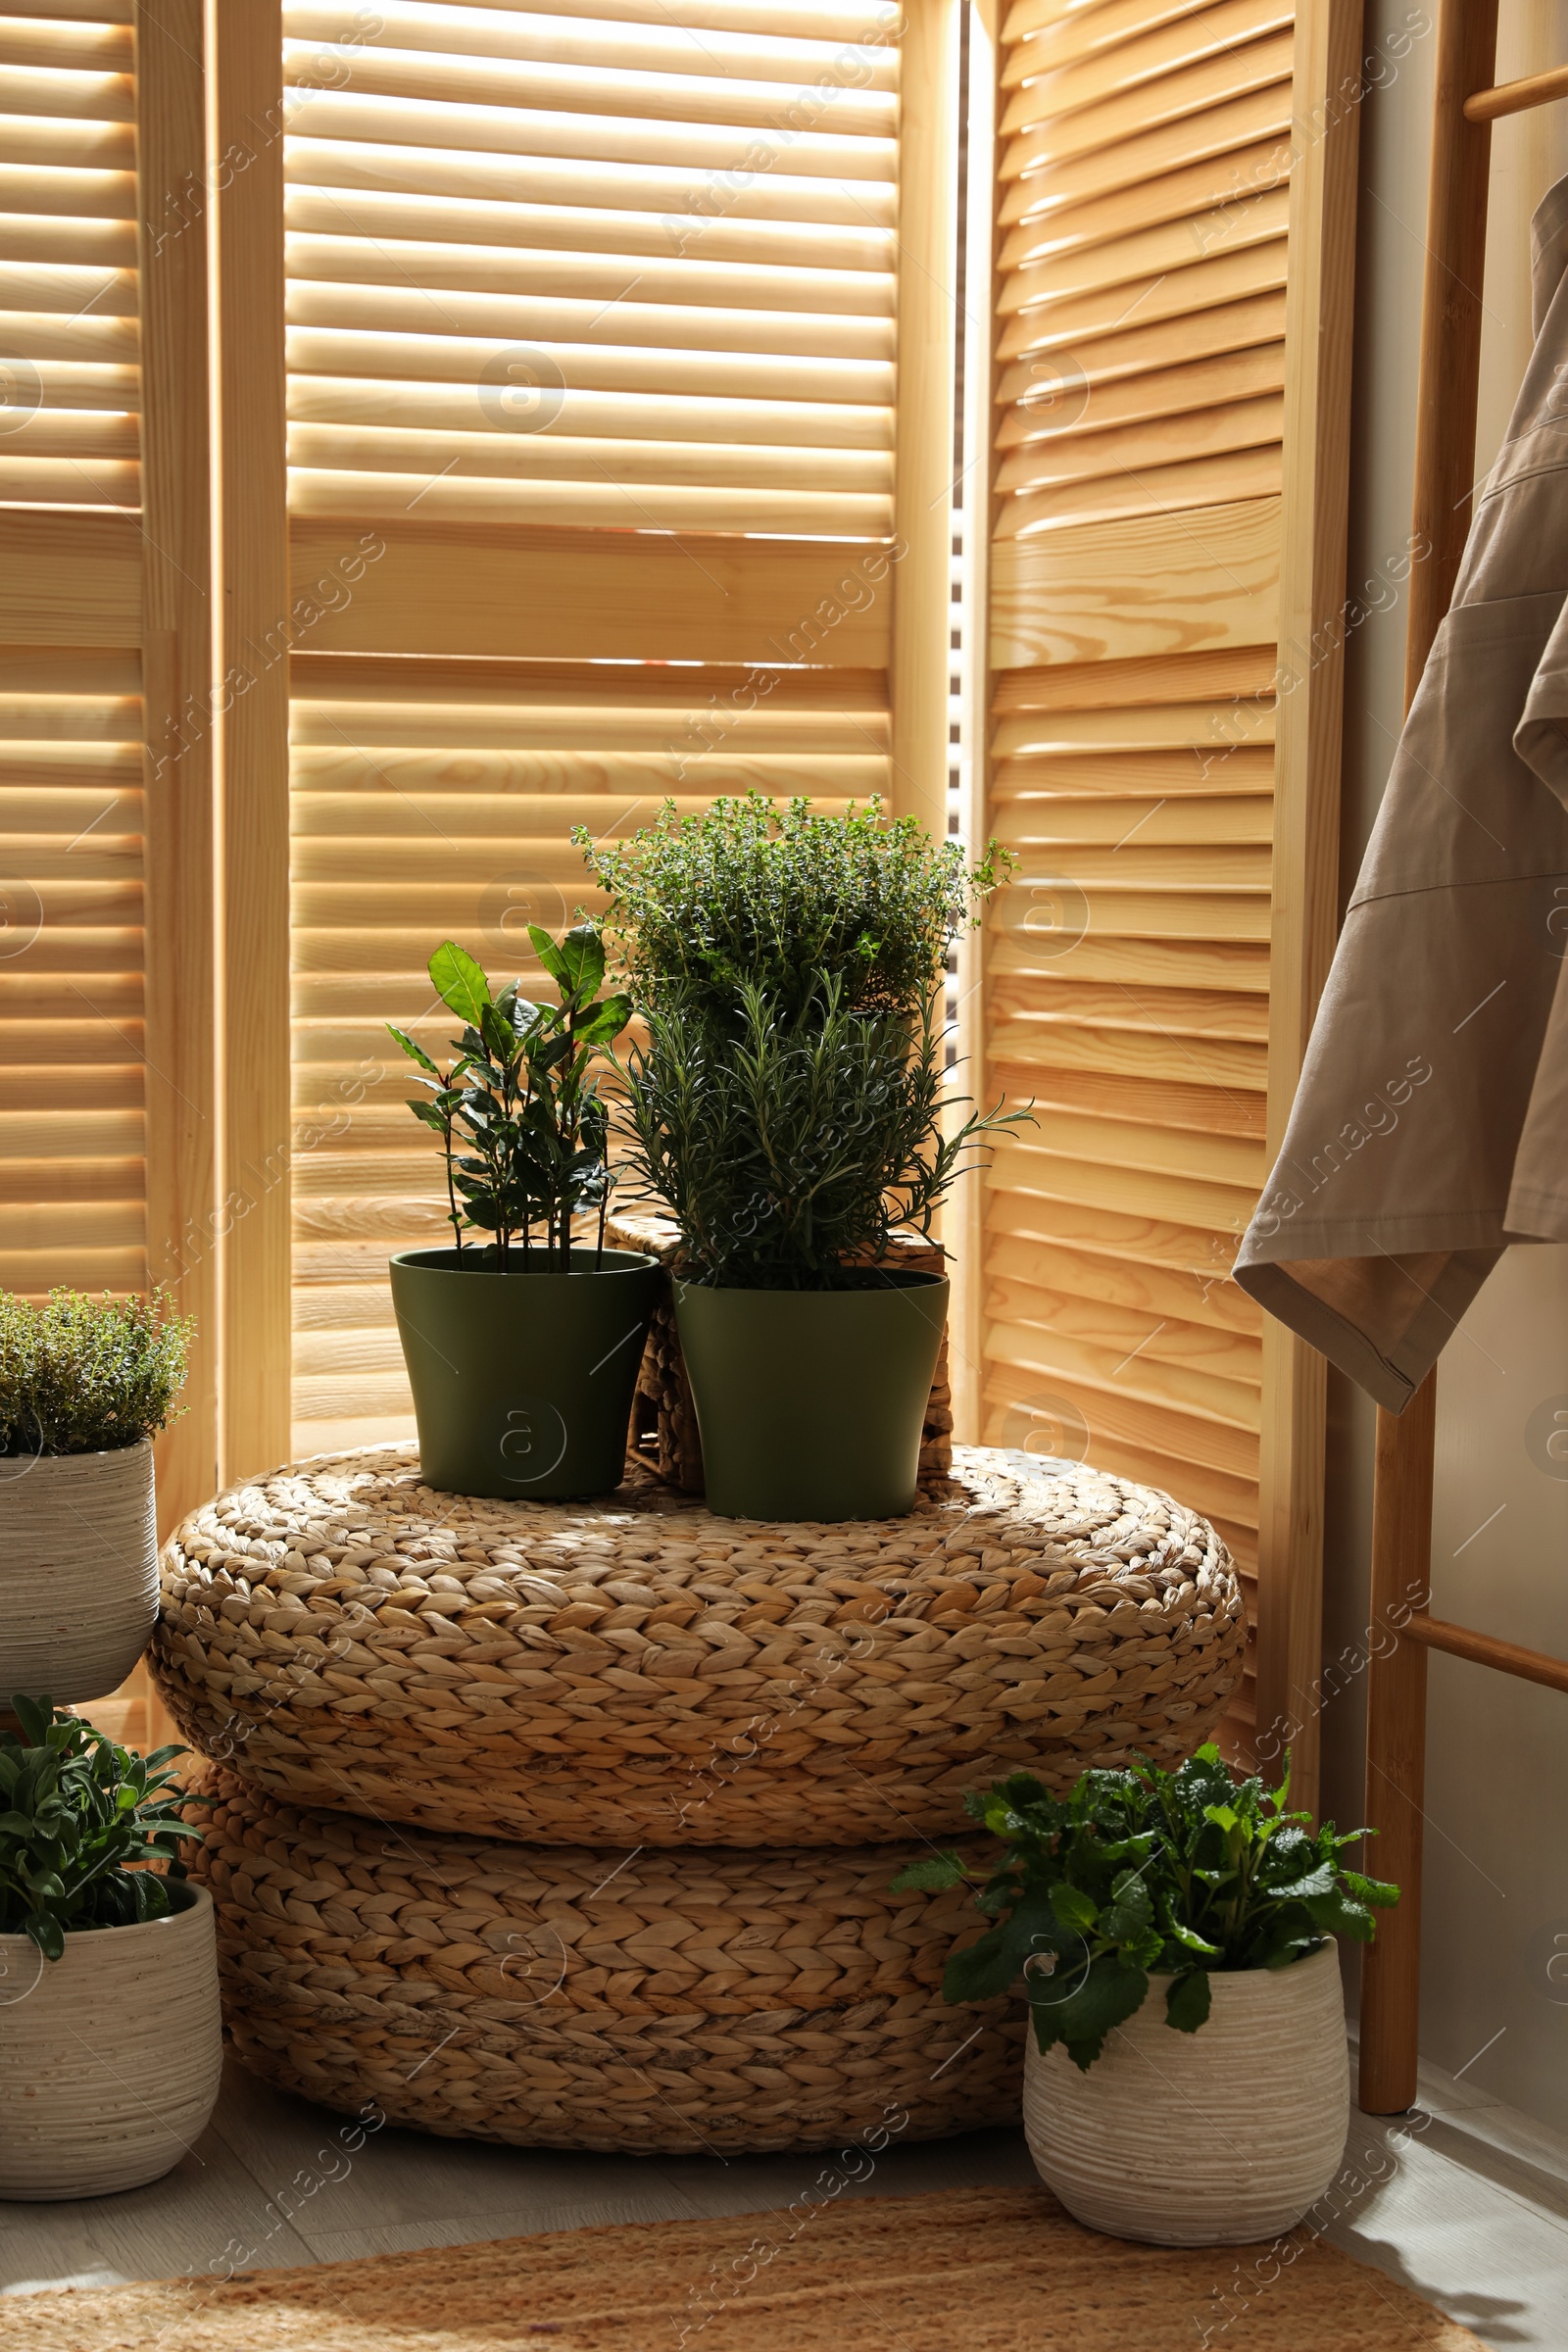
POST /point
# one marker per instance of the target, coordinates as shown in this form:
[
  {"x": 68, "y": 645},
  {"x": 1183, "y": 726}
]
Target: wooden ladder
[{"x": 1467, "y": 105}]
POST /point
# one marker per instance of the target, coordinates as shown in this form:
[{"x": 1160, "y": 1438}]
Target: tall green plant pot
[
  {"x": 811, "y": 1404},
  {"x": 522, "y": 1381}
]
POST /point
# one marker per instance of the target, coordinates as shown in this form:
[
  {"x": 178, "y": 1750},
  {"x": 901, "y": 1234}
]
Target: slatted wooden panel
[
  {"x": 1143, "y": 161},
  {"x": 72, "y": 1137},
  {"x": 72, "y": 1140},
  {"x": 442, "y": 805},
  {"x": 68, "y": 376},
  {"x": 571, "y": 270},
  {"x": 591, "y": 377},
  {"x": 105, "y": 867}
]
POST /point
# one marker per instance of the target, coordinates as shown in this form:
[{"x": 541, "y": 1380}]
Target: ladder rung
[
  {"x": 1530, "y": 1665},
  {"x": 1514, "y": 97}
]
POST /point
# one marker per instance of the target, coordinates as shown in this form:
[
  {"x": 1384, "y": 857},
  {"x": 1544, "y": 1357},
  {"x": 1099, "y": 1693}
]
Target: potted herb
[
  {"x": 790, "y": 1108},
  {"x": 111, "y": 2043},
  {"x": 85, "y": 1385},
  {"x": 523, "y": 1346},
  {"x": 1186, "y": 2082}
]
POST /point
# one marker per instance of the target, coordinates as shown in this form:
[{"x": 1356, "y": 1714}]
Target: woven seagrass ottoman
[
  {"x": 637, "y": 1670},
  {"x": 552, "y": 1996}
]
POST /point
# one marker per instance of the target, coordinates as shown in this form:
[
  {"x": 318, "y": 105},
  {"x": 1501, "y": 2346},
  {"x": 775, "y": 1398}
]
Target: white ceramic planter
[
  {"x": 1201, "y": 2139},
  {"x": 108, "y": 2056},
  {"x": 78, "y": 1572}
]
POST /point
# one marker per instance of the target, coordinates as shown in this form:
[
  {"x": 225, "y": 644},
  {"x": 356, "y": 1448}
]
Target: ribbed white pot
[
  {"x": 108, "y": 2056},
  {"x": 1201, "y": 2139},
  {"x": 79, "y": 1571}
]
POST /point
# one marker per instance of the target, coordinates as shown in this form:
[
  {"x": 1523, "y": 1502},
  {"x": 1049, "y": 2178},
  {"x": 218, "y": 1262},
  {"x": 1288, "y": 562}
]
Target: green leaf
[
  {"x": 1190, "y": 1939},
  {"x": 578, "y": 964},
  {"x": 1187, "y": 2001},
  {"x": 1129, "y": 1910},
  {"x": 990, "y": 1967},
  {"x": 1075, "y": 1909},
  {"x": 459, "y": 982},
  {"x": 500, "y": 1037},
  {"x": 609, "y": 1017},
  {"x": 932, "y": 1874},
  {"x": 1381, "y": 1893},
  {"x": 1317, "y": 1882},
  {"x": 549, "y": 954},
  {"x": 414, "y": 1050},
  {"x": 47, "y": 1934},
  {"x": 33, "y": 1715},
  {"x": 1338, "y": 1915},
  {"x": 1112, "y": 1990}
]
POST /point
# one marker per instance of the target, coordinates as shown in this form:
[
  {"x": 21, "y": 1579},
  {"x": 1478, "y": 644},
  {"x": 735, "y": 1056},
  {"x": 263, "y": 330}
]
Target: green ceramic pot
[
  {"x": 522, "y": 1381},
  {"x": 811, "y": 1404}
]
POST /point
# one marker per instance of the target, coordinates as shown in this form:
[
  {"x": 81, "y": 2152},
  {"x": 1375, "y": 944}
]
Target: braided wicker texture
[
  {"x": 557, "y": 1997},
  {"x": 635, "y": 1669},
  {"x": 664, "y": 1417}
]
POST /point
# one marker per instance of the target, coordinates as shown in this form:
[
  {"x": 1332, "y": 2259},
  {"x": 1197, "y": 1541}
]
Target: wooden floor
[{"x": 1465, "y": 2200}]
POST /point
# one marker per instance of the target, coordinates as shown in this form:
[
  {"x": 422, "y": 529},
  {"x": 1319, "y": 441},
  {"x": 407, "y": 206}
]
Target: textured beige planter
[
  {"x": 78, "y": 1572},
  {"x": 1201, "y": 2139},
  {"x": 108, "y": 2056}
]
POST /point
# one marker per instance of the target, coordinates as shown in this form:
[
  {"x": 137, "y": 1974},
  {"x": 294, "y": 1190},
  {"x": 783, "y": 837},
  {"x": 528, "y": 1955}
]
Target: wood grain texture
[
  {"x": 1141, "y": 426},
  {"x": 258, "y": 626},
  {"x": 964, "y": 1214},
  {"x": 1396, "y": 1749},
  {"x": 1484, "y": 1649},
  {"x": 1320, "y": 301},
  {"x": 181, "y": 1079},
  {"x": 69, "y": 577},
  {"x": 922, "y": 490},
  {"x": 1401, "y": 1509},
  {"x": 1450, "y": 319},
  {"x": 444, "y": 589},
  {"x": 1156, "y": 585},
  {"x": 1517, "y": 97}
]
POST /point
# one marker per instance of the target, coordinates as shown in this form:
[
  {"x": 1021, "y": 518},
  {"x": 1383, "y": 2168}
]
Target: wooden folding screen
[
  {"x": 580, "y": 379},
  {"x": 603, "y": 485},
  {"x": 106, "y": 974},
  {"x": 1172, "y": 268}
]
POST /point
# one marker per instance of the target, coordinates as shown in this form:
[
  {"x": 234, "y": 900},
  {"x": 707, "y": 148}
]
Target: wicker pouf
[
  {"x": 636, "y": 1669},
  {"x": 558, "y": 1997}
]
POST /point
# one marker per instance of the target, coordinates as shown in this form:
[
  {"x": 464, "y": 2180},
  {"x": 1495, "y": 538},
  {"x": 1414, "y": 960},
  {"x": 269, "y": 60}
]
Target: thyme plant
[
  {"x": 779, "y": 898},
  {"x": 81, "y": 1375}
]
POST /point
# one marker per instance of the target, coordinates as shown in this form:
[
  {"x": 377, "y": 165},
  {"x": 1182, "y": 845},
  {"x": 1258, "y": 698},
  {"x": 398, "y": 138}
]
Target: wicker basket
[
  {"x": 664, "y": 1417},
  {"x": 555, "y": 1997},
  {"x": 636, "y": 1669}
]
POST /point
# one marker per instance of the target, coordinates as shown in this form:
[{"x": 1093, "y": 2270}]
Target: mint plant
[
  {"x": 525, "y": 1131},
  {"x": 1144, "y": 1872},
  {"x": 78, "y": 1811}
]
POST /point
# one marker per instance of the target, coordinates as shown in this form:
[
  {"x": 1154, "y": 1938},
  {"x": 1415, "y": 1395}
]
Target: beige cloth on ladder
[{"x": 1431, "y": 1125}]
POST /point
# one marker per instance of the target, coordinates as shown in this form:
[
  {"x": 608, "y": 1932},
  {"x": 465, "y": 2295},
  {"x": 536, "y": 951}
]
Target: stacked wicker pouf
[{"x": 572, "y": 1825}]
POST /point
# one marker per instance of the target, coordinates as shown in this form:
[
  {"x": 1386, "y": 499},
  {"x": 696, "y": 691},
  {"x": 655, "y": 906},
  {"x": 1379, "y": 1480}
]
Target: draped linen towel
[{"x": 1431, "y": 1125}]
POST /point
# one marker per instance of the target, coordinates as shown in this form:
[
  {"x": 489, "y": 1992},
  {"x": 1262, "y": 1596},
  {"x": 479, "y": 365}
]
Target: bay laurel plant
[
  {"x": 75, "y": 1812},
  {"x": 80, "y": 1375},
  {"x": 524, "y": 1130},
  {"x": 789, "y": 1103},
  {"x": 1145, "y": 1871}
]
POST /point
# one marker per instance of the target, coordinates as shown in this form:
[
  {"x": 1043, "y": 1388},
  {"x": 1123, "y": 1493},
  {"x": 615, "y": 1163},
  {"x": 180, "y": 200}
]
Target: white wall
[{"x": 1497, "y": 1846}]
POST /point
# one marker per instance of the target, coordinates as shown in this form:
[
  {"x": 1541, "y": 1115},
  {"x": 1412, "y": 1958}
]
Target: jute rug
[{"x": 971, "y": 2269}]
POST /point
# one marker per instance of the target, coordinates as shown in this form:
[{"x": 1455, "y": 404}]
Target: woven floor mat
[{"x": 973, "y": 2269}]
